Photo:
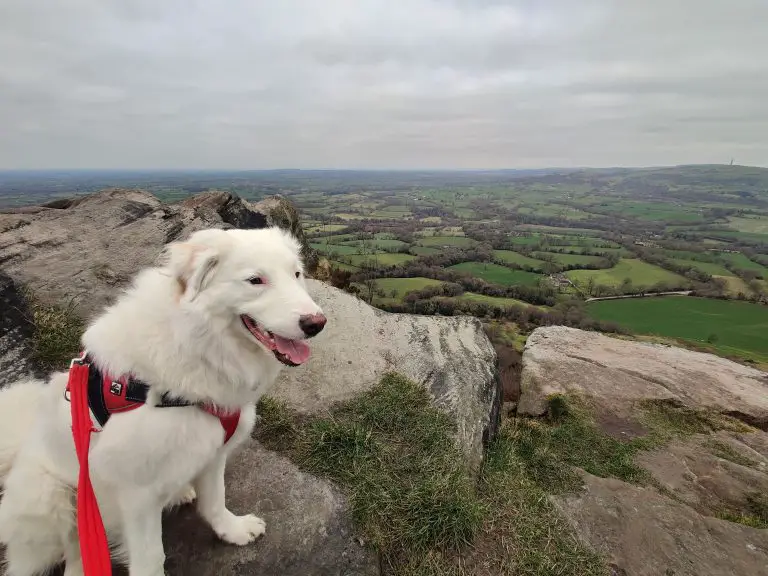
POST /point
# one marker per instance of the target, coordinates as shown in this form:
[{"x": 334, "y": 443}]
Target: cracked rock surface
[{"x": 676, "y": 525}]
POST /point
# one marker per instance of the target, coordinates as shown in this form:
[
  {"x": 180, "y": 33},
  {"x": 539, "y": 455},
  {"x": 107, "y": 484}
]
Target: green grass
[
  {"x": 570, "y": 259},
  {"x": 742, "y": 262},
  {"x": 640, "y": 273},
  {"x": 410, "y": 491},
  {"x": 510, "y": 257},
  {"x": 556, "y": 230},
  {"x": 751, "y": 224},
  {"x": 344, "y": 266},
  {"x": 707, "y": 267},
  {"x": 378, "y": 244},
  {"x": 525, "y": 240},
  {"x": 667, "y": 418},
  {"x": 523, "y": 534},
  {"x": 340, "y": 249},
  {"x": 424, "y": 250},
  {"x": 654, "y": 211},
  {"x": 404, "y": 285},
  {"x": 315, "y": 229},
  {"x": 739, "y": 328},
  {"x": 382, "y": 259},
  {"x": 727, "y": 452},
  {"x": 56, "y": 334},
  {"x": 493, "y": 300},
  {"x": 439, "y": 241},
  {"x": 498, "y": 274},
  {"x": 735, "y": 285},
  {"x": 413, "y": 498},
  {"x": 549, "y": 451},
  {"x": 391, "y": 214},
  {"x": 755, "y": 515},
  {"x": 334, "y": 238}
]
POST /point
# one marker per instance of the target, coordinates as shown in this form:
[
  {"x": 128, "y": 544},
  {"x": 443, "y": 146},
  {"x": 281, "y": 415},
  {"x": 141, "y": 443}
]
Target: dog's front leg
[
  {"x": 238, "y": 530},
  {"x": 142, "y": 531}
]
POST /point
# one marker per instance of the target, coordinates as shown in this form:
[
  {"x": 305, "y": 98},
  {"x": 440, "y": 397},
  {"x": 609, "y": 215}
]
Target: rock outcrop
[
  {"x": 15, "y": 334},
  {"x": 647, "y": 534},
  {"x": 85, "y": 248},
  {"x": 452, "y": 356},
  {"x": 675, "y": 525},
  {"x": 89, "y": 247},
  {"x": 619, "y": 372}
]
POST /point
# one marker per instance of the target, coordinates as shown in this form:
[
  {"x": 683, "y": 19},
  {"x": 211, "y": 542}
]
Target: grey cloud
[{"x": 378, "y": 84}]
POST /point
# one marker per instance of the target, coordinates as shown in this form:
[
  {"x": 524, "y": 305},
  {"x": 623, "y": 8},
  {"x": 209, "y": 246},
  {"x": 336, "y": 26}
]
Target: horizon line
[{"x": 509, "y": 169}]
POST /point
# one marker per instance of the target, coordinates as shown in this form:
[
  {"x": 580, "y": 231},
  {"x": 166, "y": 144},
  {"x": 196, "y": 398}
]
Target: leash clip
[{"x": 79, "y": 361}]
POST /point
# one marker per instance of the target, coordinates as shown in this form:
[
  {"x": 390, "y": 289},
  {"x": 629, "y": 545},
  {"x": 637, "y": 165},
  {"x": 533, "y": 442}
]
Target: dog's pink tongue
[{"x": 296, "y": 350}]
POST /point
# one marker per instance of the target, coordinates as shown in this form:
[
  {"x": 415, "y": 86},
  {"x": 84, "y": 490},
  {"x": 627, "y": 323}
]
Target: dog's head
[{"x": 253, "y": 281}]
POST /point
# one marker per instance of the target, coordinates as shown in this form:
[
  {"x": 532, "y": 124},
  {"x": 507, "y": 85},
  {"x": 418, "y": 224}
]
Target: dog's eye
[
  {"x": 256, "y": 280},
  {"x": 298, "y": 274}
]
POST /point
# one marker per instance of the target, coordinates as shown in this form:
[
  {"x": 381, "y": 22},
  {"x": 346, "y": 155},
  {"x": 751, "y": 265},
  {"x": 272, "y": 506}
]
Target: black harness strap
[{"x": 136, "y": 393}]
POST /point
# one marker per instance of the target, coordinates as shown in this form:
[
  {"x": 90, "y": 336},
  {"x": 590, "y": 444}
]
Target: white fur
[{"x": 177, "y": 328}]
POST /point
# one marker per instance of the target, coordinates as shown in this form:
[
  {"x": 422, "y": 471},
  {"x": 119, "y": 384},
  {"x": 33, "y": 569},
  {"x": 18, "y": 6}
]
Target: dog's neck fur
[{"x": 205, "y": 348}]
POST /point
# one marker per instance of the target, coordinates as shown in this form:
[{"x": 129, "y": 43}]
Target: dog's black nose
[{"x": 312, "y": 324}]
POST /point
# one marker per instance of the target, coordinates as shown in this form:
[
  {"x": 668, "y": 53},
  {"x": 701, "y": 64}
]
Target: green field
[
  {"x": 739, "y": 328},
  {"x": 744, "y": 263},
  {"x": 376, "y": 243},
  {"x": 424, "y": 250},
  {"x": 324, "y": 228},
  {"x": 510, "y": 257},
  {"x": 753, "y": 224},
  {"x": 494, "y": 300},
  {"x": 439, "y": 241},
  {"x": 498, "y": 274},
  {"x": 334, "y": 238},
  {"x": 569, "y": 259},
  {"x": 735, "y": 285},
  {"x": 341, "y": 249},
  {"x": 654, "y": 211},
  {"x": 344, "y": 266},
  {"x": 404, "y": 285},
  {"x": 525, "y": 240},
  {"x": 707, "y": 267},
  {"x": 384, "y": 259},
  {"x": 642, "y": 274}
]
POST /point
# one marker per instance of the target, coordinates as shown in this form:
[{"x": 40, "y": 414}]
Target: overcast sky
[{"x": 382, "y": 83}]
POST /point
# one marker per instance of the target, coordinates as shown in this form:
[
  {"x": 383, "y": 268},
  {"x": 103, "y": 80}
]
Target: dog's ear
[{"x": 193, "y": 265}]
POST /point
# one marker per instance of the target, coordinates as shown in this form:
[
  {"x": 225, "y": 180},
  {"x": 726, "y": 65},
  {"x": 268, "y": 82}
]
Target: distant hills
[{"x": 34, "y": 187}]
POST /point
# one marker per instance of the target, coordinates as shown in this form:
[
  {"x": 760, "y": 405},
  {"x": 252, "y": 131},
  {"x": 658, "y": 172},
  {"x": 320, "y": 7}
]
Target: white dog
[{"x": 212, "y": 325}]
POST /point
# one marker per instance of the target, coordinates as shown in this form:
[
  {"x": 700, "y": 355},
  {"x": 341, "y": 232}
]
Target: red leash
[{"x": 94, "y": 548}]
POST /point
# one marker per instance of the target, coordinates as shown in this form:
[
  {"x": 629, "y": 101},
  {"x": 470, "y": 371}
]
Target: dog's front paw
[
  {"x": 186, "y": 496},
  {"x": 242, "y": 530}
]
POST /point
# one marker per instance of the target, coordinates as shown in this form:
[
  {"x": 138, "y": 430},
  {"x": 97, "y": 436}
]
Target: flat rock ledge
[
  {"x": 619, "y": 372},
  {"x": 676, "y": 526}
]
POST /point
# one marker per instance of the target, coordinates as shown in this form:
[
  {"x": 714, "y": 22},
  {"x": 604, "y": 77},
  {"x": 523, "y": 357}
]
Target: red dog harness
[{"x": 94, "y": 396}]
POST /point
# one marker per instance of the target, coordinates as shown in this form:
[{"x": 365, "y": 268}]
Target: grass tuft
[
  {"x": 524, "y": 533},
  {"x": 669, "y": 417},
  {"x": 57, "y": 332},
  {"x": 728, "y": 452},
  {"x": 755, "y": 513},
  {"x": 549, "y": 452},
  {"x": 411, "y": 492}
]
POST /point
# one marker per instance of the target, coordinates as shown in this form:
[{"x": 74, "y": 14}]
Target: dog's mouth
[{"x": 289, "y": 352}]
